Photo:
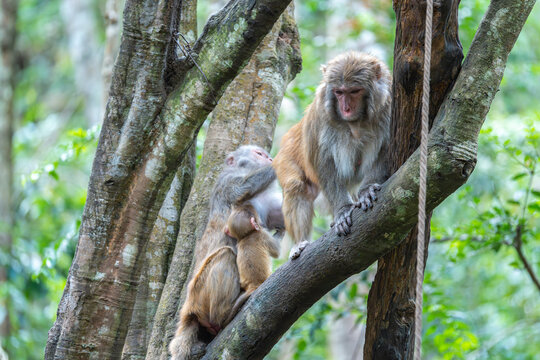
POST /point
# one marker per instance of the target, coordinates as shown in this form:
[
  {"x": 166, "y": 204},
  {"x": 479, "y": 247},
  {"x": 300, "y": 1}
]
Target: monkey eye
[
  {"x": 356, "y": 91},
  {"x": 339, "y": 92}
]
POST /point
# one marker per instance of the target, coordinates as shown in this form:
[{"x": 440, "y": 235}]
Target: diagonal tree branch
[{"x": 295, "y": 286}]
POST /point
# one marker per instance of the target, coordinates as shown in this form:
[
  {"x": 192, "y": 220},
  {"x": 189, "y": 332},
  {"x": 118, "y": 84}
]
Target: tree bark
[
  {"x": 453, "y": 141},
  {"x": 246, "y": 114},
  {"x": 151, "y": 120},
  {"x": 390, "y": 317},
  {"x": 8, "y": 16},
  {"x": 157, "y": 259},
  {"x": 165, "y": 232}
]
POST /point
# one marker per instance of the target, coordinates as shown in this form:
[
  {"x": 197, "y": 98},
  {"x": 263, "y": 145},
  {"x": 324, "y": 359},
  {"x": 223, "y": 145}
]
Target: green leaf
[
  {"x": 519, "y": 176},
  {"x": 352, "y": 291},
  {"x": 302, "y": 344}
]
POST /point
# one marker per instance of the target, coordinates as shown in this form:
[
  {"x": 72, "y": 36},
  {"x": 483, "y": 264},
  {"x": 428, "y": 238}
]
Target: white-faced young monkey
[
  {"x": 338, "y": 146},
  {"x": 215, "y": 287},
  {"x": 254, "y": 247}
]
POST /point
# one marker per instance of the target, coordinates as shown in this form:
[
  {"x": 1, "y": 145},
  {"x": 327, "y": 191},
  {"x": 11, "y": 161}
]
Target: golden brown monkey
[
  {"x": 338, "y": 146},
  {"x": 254, "y": 248},
  {"x": 247, "y": 178}
]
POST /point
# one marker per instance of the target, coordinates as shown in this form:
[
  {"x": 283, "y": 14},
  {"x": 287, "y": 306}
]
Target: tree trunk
[
  {"x": 8, "y": 16},
  {"x": 160, "y": 248},
  {"x": 156, "y": 105},
  {"x": 390, "y": 317}
]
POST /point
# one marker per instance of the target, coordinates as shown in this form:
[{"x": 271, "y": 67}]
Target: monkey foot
[
  {"x": 343, "y": 221},
  {"x": 367, "y": 197},
  {"x": 297, "y": 250}
]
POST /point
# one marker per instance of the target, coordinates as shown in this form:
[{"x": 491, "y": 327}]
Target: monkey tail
[
  {"x": 200, "y": 274},
  {"x": 185, "y": 340}
]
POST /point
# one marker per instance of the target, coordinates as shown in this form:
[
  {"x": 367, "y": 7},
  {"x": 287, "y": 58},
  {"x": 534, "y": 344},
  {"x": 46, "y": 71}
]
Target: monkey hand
[
  {"x": 297, "y": 249},
  {"x": 343, "y": 220},
  {"x": 367, "y": 197}
]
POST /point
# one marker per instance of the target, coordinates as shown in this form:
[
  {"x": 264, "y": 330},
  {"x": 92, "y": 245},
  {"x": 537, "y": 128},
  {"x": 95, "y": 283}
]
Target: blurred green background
[{"x": 480, "y": 301}]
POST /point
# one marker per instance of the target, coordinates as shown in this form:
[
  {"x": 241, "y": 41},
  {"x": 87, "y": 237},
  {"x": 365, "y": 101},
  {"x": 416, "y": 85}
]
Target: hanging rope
[{"x": 422, "y": 190}]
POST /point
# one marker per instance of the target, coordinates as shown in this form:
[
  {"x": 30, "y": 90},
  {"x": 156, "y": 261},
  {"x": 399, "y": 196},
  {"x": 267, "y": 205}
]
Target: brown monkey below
[{"x": 215, "y": 287}]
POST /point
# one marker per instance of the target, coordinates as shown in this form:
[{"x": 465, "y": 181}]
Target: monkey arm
[
  {"x": 338, "y": 196},
  {"x": 245, "y": 187},
  {"x": 334, "y": 190},
  {"x": 371, "y": 183},
  {"x": 272, "y": 245}
]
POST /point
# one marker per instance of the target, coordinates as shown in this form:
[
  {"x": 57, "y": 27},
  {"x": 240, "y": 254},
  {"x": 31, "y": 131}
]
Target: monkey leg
[
  {"x": 298, "y": 214},
  {"x": 343, "y": 220},
  {"x": 185, "y": 343},
  {"x": 240, "y": 302}
]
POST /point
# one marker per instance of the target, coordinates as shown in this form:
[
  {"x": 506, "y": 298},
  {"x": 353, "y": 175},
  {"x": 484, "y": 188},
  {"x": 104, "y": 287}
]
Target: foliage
[
  {"x": 501, "y": 299},
  {"x": 53, "y": 151}
]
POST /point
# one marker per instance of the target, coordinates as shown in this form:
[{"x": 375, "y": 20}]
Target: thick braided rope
[{"x": 422, "y": 190}]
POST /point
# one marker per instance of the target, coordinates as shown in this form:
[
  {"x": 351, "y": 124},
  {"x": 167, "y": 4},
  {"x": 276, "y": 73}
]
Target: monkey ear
[
  {"x": 254, "y": 224},
  {"x": 229, "y": 160},
  {"x": 323, "y": 69},
  {"x": 378, "y": 71}
]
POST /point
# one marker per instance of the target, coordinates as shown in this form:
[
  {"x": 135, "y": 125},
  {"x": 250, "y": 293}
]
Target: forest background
[{"x": 481, "y": 292}]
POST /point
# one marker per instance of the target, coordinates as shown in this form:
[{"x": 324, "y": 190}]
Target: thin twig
[
  {"x": 518, "y": 242},
  {"x": 527, "y": 193}
]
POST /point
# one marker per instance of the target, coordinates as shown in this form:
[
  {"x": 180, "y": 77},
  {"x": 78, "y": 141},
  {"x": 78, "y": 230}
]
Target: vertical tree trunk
[
  {"x": 246, "y": 114},
  {"x": 8, "y": 16},
  {"x": 390, "y": 319},
  {"x": 165, "y": 232},
  {"x": 157, "y": 259}
]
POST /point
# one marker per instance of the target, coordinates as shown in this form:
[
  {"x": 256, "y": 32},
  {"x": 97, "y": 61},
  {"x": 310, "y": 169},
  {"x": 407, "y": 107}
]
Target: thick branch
[{"x": 295, "y": 286}]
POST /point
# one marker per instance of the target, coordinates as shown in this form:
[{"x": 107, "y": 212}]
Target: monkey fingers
[
  {"x": 367, "y": 197},
  {"x": 343, "y": 221},
  {"x": 297, "y": 249}
]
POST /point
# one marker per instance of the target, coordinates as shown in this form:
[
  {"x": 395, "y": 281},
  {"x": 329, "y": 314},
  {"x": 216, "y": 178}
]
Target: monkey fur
[
  {"x": 338, "y": 147},
  {"x": 248, "y": 177}
]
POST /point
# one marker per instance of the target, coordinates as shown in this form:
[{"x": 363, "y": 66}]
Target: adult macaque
[
  {"x": 337, "y": 147},
  {"x": 248, "y": 177},
  {"x": 254, "y": 248}
]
